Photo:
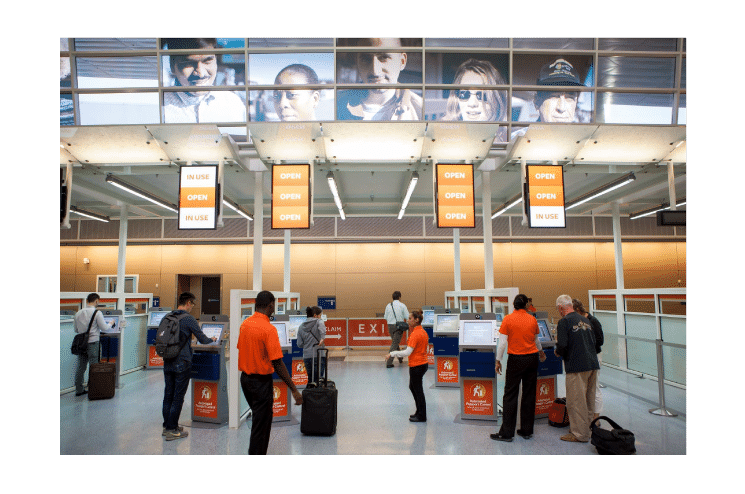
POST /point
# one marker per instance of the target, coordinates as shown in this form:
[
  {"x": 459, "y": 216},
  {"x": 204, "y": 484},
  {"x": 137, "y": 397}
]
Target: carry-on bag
[
  {"x": 101, "y": 381},
  {"x": 318, "y": 415},
  {"x": 618, "y": 441},
  {"x": 557, "y": 413}
]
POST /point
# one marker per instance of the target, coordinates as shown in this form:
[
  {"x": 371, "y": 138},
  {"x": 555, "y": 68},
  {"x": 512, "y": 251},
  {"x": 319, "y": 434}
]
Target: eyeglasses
[{"x": 465, "y": 95}]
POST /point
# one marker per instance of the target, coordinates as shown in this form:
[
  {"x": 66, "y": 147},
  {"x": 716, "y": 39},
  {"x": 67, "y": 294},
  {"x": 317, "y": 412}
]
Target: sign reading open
[
  {"x": 197, "y": 198},
  {"x": 546, "y": 196},
  {"x": 290, "y": 196},
  {"x": 455, "y": 204}
]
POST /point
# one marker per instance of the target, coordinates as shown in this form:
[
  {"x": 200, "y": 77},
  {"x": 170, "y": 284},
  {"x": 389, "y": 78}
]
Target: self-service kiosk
[
  {"x": 155, "y": 315},
  {"x": 297, "y": 367},
  {"x": 209, "y": 373},
  {"x": 547, "y": 371},
  {"x": 445, "y": 343},
  {"x": 282, "y": 397},
  {"x": 428, "y": 323},
  {"x": 111, "y": 340},
  {"x": 477, "y": 344}
]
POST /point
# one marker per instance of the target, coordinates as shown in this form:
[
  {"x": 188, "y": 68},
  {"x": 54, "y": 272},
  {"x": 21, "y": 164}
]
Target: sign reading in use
[
  {"x": 197, "y": 206},
  {"x": 546, "y": 196},
  {"x": 290, "y": 196},
  {"x": 455, "y": 204}
]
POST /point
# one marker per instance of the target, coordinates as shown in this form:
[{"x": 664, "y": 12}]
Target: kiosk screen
[
  {"x": 213, "y": 331},
  {"x": 428, "y": 318},
  {"x": 476, "y": 333},
  {"x": 543, "y": 327},
  {"x": 447, "y": 323},
  {"x": 284, "y": 339},
  {"x": 499, "y": 317},
  {"x": 295, "y": 322},
  {"x": 156, "y": 317},
  {"x": 109, "y": 320}
]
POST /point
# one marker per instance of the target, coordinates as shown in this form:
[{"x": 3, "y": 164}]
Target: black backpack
[{"x": 168, "y": 336}]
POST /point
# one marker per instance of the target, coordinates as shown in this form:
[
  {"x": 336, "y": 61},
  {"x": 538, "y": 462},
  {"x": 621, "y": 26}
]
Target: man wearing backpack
[{"x": 177, "y": 371}]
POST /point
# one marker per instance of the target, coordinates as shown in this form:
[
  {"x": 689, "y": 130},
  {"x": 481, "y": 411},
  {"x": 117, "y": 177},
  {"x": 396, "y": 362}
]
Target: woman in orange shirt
[{"x": 417, "y": 352}]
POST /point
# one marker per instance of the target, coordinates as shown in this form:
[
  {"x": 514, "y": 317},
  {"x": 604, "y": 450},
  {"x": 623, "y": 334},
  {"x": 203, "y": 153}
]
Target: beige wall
[{"x": 363, "y": 276}]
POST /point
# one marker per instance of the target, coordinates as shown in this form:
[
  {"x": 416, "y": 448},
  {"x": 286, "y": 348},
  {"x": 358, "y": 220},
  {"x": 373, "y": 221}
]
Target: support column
[
  {"x": 258, "y": 227},
  {"x": 456, "y": 259},
  {"x": 487, "y": 227},
  {"x": 620, "y": 319},
  {"x": 671, "y": 186},
  {"x": 122, "y": 256},
  {"x": 287, "y": 261}
]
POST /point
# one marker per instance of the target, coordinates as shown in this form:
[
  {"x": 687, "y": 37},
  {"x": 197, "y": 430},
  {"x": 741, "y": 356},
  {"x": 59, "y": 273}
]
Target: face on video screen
[
  {"x": 473, "y": 103},
  {"x": 195, "y": 70},
  {"x": 380, "y": 68},
  {"x": 559, "y": 107},
  {"x": 295, "y": 104}
]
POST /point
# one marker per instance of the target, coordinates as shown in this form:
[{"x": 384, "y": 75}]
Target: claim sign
[
  {"x": 546, "y": 201},
  {"x": 197, "y": 198},
  {"x": 290, "y": 196},
  {"x": 455, "y": 196}
]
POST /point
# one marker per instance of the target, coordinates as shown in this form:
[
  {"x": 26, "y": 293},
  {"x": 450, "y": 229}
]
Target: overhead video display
[
  {"x": 290, "y": 196},
  {"x": 197, "y": 198},
  {"x": 455, "y": 197},
  {"x": 546, "y": 196}
]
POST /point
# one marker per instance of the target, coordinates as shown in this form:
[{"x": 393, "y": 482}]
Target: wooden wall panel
[
  {"x": 68, "y": 261},
  {"x": 557, "y": 256},
  {"x": 380, "y": 258},
  {"x": 144, "y": 259}
]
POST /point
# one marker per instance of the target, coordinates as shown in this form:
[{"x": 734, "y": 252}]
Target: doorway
[{"x": 207, "y": 288}]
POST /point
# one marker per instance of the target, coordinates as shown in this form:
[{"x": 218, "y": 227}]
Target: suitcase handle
[{"x": 326, "y": 365}]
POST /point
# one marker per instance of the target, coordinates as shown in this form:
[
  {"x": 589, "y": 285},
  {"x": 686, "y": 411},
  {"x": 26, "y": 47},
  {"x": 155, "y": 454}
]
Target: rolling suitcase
[
  {"x": 101, "y": 381},
  {"x": 318, "y": 415}
]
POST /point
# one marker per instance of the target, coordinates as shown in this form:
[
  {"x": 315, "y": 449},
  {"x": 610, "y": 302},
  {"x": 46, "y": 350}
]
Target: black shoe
[
  {"x": 416, "y": 419},
  {"x": 499, "y": 437},
  {"x": 400, "y": 361},
  {"x": 81, "y": 394},
  {"x": 389, "y": 366},
  {"x": 523, "y": 435}
]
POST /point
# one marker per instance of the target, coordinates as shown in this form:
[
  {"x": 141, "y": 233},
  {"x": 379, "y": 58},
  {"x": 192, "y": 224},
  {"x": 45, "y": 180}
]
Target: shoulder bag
[
  {"x": 400, "y": 325},
  {"x": 617, "y": 441},
  {"x": 80, "y": 341}
]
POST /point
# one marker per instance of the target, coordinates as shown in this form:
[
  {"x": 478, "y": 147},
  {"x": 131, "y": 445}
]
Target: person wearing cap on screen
[
  {"x": 198, "y": 71},
  {"x": 561, "y": 105},
  {"x": 293, "y": 104},
  {"x": 385, "y": 103}
]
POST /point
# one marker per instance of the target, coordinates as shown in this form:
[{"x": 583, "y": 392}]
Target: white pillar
[
  {"x": 287, "y": 261},
  {"x": 620, "y": 318},
  {"x": 122, "y": 259},
  {"x": 258, "y": 227},
  {"x": 456, "y": 259},
  {"x": 487, "y": 227},
  {"x": 671, "y": 186}
]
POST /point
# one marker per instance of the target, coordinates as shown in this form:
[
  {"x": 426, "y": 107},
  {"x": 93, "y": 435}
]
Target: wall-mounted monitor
[
  {"x": 154, "y": 318},
  {"x": 446, "y": 323},
  {"x": 284, "y": 338},
  {"x": 213, "y": 330},
  {"x": 477, "y": 333}
]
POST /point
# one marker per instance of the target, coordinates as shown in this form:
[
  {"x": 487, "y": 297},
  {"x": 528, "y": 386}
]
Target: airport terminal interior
[{"x": 335, "y": 171}]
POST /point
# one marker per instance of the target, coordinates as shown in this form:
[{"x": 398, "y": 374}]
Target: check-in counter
[
  {"x": 477, "y": 346},
  {"x": 445, "y": 345},
  {"x": 209, "y": 372},
  {"x": 428, "y": 323},
  {"x": 155, "y": 315},
  {"x": 282, "y": 397}
]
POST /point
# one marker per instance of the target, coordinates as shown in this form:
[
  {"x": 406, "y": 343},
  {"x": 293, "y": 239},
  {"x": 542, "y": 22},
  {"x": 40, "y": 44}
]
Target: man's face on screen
[
  {"x": 380, "y": 68},
  {"x": 196, "y": 70}
]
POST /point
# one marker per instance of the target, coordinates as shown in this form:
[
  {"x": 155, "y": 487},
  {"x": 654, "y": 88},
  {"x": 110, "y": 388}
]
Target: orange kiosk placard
[
  {"x": 546, "y": 196},
  {"x": 291, "y": 196},
  {"x": 205, "y": 399},
  {"x": 455, "y": 201},
  {"x": 478, "y": 397}
]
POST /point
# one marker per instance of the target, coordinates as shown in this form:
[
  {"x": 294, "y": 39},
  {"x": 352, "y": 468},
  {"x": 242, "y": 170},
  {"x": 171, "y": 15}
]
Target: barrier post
[{"x": 661, "y": 411}]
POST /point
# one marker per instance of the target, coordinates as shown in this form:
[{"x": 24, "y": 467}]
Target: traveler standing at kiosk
[
  {"x": 519, "y": 333},
  {"x": 310, "y": 336},
  {"x": 82, "y": 321},
  {"x": 597, "y": 328},
  {"x": 177, "y": 371},
  {"x": 395, "y": 312},
  {"x": 417, "y": 352},
  {"x": 259, "y": 356}
]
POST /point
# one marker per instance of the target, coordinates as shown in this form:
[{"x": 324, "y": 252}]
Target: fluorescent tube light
[
  {"x": 649, "y": 212},
  {"x": 141, "y": 193},
  {"x": 626, "y": 179},
  {"x": 235, "y": 207},
  {"x": 335, "y": 193},
  {"x": 88, "y": 214},
  {"x": 409, "y": 191},
  {"x": 507, "y": 205}
]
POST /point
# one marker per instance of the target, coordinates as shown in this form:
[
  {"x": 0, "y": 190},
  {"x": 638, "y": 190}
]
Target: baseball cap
[{"x": 559, "y": 73}]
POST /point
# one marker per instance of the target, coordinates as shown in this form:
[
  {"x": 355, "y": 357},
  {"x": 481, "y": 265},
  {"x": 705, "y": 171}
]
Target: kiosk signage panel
[
  {"x": 290, "y": 196},
  {"x": 447, "y": 370},
  {"x": 545, "y": 394},
  {"x": 546, "y": 196},
  {"x": 197, "y": 198},
  {"x": 478, "y": 397},
  {"x": 455, "y": 198},
  {"x": 205, "y": 399}
]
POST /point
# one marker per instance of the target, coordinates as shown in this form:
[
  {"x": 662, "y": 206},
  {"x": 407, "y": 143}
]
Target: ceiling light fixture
[
  {"x": 235, "y": 207},
  {"x": 141, "y": 193},
  {"x": 648, "y": 212},
  {"x": 409, "y": 191},
  {"x": 335, "y": 193},
  {"x": 88, "y": 214},
  {"x": 619, "y": 182},
  {"x": 507, "y": 205}
]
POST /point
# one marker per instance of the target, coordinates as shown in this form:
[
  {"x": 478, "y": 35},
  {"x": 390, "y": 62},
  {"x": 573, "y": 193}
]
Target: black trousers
[
  {"x": 259, "y": 394},
  {"x": 416, "y": 376},
  {"x": 521, "y": 369}
]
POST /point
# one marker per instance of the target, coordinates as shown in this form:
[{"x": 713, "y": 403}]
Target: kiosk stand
[
  {"x": 428, "y": 322},
  {"x": 282, "y": 397},
  {"x": 547, "y": 372},
  {"x": 156, "y": 314},
  {"x": 477, "y": 343},
  {"x": 111, "y": 340},
  {"x": 297, "y": 366},
  {"x": 445, "y": 343},
  {"x": 209, "y": 374}
]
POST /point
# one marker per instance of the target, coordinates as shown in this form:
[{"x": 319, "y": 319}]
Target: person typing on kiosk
[
  {"x": 259, "y": 356},
  {"x": 310, "y": 336},
  {"x": 82, "y": 322},
  {"x": 519, "y": 334},
  {"x": 417, "y": 353}
]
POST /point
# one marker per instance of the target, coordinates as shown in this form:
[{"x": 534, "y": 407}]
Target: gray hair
[{"x": 563, "y": 301}]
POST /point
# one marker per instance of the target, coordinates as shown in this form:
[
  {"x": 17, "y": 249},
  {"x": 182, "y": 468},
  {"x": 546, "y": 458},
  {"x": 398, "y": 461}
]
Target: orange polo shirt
[
  {"x": 520, "y": 328},
  {"x": 258, "y": 345},
  {"x": 419, "y": 341}
]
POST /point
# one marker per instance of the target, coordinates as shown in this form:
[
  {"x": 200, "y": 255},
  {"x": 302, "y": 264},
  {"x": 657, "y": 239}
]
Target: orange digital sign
[
  {"x": 546, "y": 196},
  {"x": 290, "y": 196},
  {"x": 455, "y": 198},
  {"x": 197, "y": 198}
]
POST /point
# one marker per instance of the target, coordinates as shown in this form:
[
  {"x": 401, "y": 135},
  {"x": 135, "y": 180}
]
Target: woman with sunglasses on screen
[{"x": 477, "y": 105}]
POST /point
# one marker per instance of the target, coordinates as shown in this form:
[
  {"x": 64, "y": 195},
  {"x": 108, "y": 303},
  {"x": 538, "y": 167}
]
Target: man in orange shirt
[
  {"x": 259, "y": 356},
  {"x": 416, "y": 350}
]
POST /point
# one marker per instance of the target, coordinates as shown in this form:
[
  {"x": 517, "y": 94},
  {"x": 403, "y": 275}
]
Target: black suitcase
[
  {"x": 101, "y": 381},
  {"x": 318, "y": 415}
]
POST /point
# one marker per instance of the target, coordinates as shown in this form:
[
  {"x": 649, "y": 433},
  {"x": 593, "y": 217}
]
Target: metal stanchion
[{"x": 662, "y": 411}]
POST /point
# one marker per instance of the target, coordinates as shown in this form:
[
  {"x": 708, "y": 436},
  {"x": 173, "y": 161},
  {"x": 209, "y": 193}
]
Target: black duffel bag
[
  {"x": 617, "y": 441},
  {"x": 80, "y": 341}
]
